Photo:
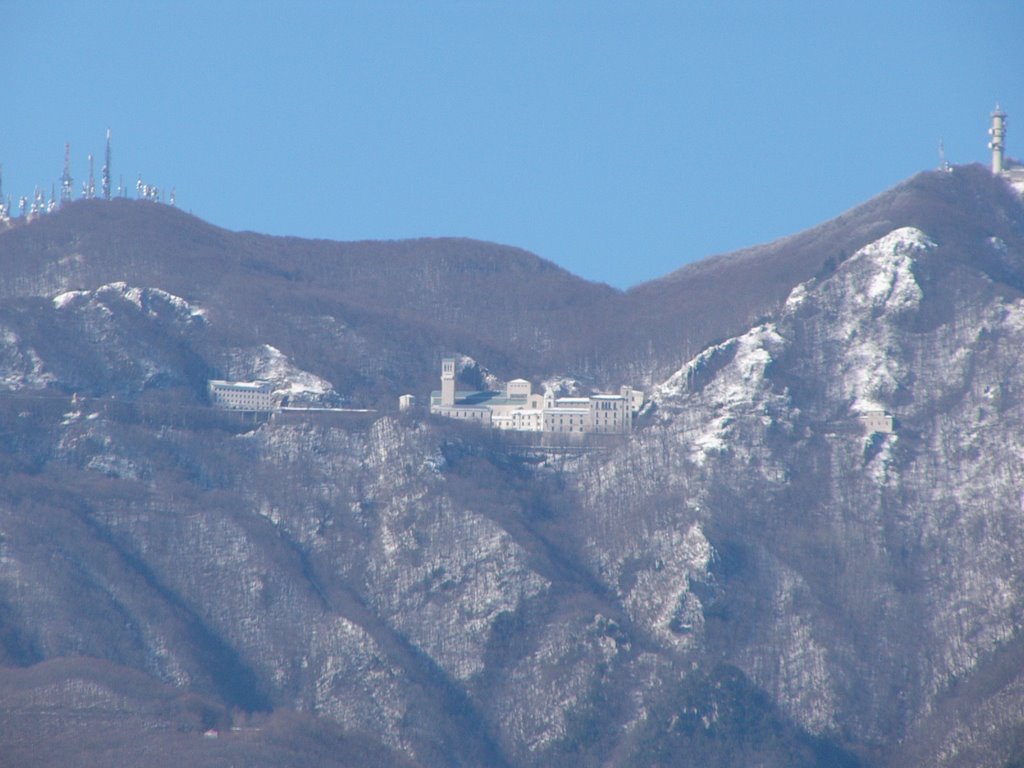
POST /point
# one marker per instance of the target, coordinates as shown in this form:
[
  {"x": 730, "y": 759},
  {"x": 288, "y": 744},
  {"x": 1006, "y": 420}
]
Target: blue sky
[{"x": 619, "y": 140}]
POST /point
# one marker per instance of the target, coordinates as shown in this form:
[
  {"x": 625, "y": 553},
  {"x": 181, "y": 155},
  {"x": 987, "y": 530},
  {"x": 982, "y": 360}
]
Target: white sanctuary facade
[{"x": 519, "y": 409}]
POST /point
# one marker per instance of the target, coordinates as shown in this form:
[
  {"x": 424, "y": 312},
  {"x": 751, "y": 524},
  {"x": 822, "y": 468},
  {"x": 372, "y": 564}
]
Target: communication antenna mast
[
  {"x": 90, "y": 186},
  {"x": 66, "y": 192},
  {"x": 998, "y": 134},
  {"x": 106, "y": 170},
  {"x": 943, "y": 162}
]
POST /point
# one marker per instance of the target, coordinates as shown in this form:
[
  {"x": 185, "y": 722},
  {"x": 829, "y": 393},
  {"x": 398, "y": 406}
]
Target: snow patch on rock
[
  {"x": 562, "y": 386},
  {"x": 445, "y": 580},
  {"x": 738, "y": 387},
  {"x": 20, "y": 365},
  {"x": 889, "y": 276},
  {"x": 554, "y": 679},
  {"x": 880, "y": 276},
  {"x": 355, "y": 683},
  {"x": 267, "y": 363},
  {"x": 154, "y": 302},
  {"x": 862, "y": 299},
  {"x": 797, "y": 297},
  {"x": 660, "y": 599},
  {"x": 799, "y": 673},
  {"x": 62, "y": 300},
  {"x": 752, "y": 354},
  {"x": 1014, "y": 176}
]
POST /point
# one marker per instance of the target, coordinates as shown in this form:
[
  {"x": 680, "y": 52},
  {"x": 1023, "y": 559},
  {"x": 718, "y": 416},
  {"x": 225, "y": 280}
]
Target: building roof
[
  {"x": 256, "y": 386},
  {"x": 482, "y": 398}
]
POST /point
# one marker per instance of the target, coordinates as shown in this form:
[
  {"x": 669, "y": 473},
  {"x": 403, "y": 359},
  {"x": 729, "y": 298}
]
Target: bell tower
[{"x": 448, "y": 381}]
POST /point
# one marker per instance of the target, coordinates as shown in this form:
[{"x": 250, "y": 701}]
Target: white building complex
[
  {"x": 242, "y": 395},
  {"x": 520, "y": 410}
]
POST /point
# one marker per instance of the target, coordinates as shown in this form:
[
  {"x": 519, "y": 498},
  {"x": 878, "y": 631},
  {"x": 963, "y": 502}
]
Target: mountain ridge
[
  {"x": 514, "y": 312},
  {"x": 751, "y": 575}
]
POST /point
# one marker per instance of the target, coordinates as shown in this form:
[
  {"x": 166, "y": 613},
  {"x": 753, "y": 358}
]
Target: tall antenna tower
[
  {"x": 66, "y": 190},
  {"x": 90, "y": 186},
  {"x": 106, "y": 170},
  {"x": 943, "y": 162},
  {"x": 998, "y": 134}
]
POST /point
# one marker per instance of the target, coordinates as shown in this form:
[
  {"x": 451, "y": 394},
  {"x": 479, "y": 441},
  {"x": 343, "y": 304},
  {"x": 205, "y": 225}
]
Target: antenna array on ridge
[{"x": 37, "y": 204}]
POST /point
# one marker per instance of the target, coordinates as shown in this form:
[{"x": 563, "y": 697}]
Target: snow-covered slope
[{"x": 885, "y": 566}]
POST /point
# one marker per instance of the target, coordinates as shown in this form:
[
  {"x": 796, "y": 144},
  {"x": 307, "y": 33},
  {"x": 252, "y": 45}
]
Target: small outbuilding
[{"x": 880, "y": 422}]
